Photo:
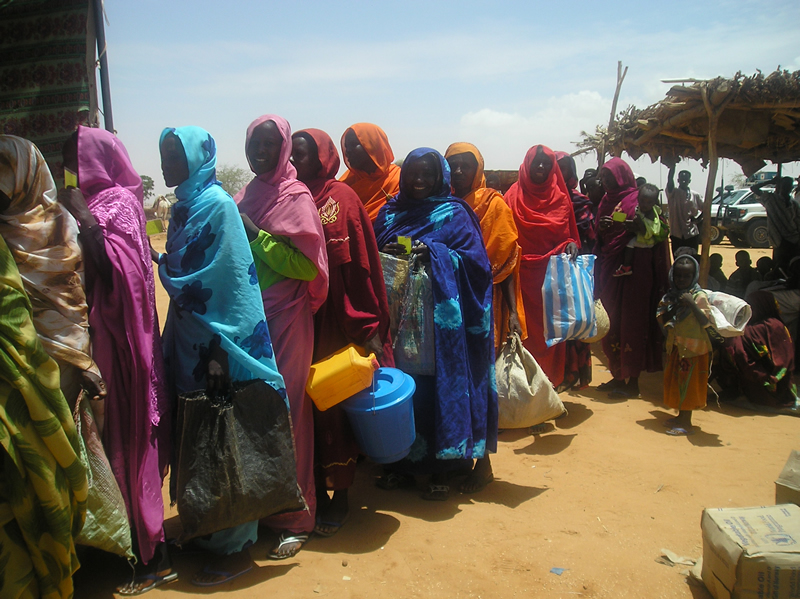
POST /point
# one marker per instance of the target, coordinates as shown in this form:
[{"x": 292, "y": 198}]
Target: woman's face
[
  {"x": 608, "y": 180},
  {"x": 683, "y": 274},
  {"x": 264, "y": 148},
  {"x": 305, "y": 159},
  {"x": 174, "y": 165},
  {"x": 420, "y": 178},
  {"x": 540, "y": 167},
  {"x": 565, "y": 164},
  {"x": 463, "y": 168},
  {"x": 356, "y": 155}
]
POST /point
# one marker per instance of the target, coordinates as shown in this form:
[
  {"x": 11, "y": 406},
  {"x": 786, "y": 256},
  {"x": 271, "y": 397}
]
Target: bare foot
[
  {"x": 480, "y": 476},
  {"x": 333, "y": 516}
]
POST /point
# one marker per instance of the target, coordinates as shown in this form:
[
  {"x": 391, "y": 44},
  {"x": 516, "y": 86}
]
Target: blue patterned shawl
[
  {"x": 210, "y": 277},
  {"x": 461, "y": 278}
]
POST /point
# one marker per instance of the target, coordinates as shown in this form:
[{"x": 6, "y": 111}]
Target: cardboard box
[
  {"x": 752, "y": 553},
  {"x": 787, "y": 487}
]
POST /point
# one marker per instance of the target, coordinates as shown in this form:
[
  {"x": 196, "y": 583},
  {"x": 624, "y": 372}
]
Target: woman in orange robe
[
  {"x": 500, "y": 238},
  {"x": 371, "y": 171}
]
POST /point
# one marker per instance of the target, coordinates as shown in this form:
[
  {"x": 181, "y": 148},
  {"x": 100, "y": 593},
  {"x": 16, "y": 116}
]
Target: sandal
[
  {"x": 154, "y": 580},
  {"x": 679, "y": 431},
  {"x": 288, "y": 538},
  {"x": 394, "y": 480},
  {"x": 436, "y": 492},
  {"x": 609, "y": 385}
]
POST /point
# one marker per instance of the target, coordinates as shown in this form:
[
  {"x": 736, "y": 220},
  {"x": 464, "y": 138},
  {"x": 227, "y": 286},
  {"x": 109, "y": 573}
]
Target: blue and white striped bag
[{"x": 568, "y": 294}]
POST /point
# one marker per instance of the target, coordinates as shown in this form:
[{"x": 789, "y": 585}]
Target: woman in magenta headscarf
[
  {"x": 120, "y": 290},
  {"x": 546, "y": 224},
  {"x": 288, "y": 246},
  {"x": 634, "y": 342}
]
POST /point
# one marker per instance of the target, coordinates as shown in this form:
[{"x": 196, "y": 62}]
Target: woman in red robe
[
  {"x": 546, "y": 223},
  {"x": 356, "y": 311}
]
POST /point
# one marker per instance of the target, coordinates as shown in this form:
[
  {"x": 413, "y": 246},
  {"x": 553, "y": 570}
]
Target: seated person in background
[
  {"x": 640, "y": 181},
  {"x": 715, "y": 272},
  {"x": 769, "y": 277},
  {"x": 742, "y": 276},
  {"x": 647, "y": 225}
]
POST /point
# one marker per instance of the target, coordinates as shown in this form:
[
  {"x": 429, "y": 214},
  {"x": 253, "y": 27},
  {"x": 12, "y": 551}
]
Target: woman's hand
[
  {"x": 72, "y": 199},
  {"x": 374, "y": 346},
  {"x": 394, "y": 249},
  {"x": 250, "y": 228},
  {"x": 154, "y": 255},
  {"x": 218, "y": 372},
  {"x": 572, "y": 250},
  {"x": 423, "y": 251},
  {"x": 93, "y": 385},
  {"x": 514, "y": 327}
]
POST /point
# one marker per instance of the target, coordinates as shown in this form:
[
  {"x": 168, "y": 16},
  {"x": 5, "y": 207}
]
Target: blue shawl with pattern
[
  {"x": 209, "y": 274},
  {"x": 461, "y": 279}
]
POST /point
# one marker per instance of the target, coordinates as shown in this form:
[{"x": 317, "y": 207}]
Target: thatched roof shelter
[
  {"x": 750, "y": 120},
  {"x": 758, "y": 121}
]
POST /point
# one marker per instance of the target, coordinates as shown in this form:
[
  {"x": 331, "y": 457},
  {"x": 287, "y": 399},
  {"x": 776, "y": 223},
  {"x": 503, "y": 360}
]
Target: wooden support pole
[{"x": 601, "y": 158}]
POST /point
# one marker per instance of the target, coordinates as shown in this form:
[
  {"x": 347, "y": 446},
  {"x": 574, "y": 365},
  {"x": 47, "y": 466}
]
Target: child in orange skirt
[{"x": 685, "y": 316}]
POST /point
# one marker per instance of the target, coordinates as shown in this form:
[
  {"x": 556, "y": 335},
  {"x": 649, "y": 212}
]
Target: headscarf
[
  {"x": 499, "y": 236},
  {"x": 543, "y": 212},
  {"x": 281, "y": 205},
  {"x": 43, "y": 238},
  {"x": 103, "y": 162},
  {"x": 209, "y": 274},
  {"x": 623, "y": 199},
  {"x": 461, "y": 283},
  {"x": 44, "y": 486},
  {"x": 375, "y": 188},
  {"x": 127, "y": 342},
  {"x": 349, "y": 239}
]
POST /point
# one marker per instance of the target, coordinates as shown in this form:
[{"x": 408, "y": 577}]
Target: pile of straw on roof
[{"x": 759, "y": 120}]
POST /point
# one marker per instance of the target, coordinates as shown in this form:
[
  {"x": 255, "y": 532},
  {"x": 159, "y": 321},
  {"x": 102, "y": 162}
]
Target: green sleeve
[{"x": 277, "y": 258}]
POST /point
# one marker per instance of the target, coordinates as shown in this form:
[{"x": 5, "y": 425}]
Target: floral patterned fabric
[{"x": 464, "y": 394}]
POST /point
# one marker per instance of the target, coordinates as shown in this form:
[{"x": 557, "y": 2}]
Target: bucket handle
[{"x": 374, "y": 407}]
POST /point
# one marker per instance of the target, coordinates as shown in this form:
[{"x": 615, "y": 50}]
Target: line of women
[{"x": 260, "y": 286}]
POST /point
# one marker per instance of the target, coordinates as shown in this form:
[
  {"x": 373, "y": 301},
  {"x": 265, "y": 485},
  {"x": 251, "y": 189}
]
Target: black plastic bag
[{"x": 236, "y": 460}]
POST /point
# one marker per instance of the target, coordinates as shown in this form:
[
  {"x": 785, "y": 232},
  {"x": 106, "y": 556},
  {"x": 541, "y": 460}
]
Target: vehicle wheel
[
  {"x": 715, "y": 235},
  {"x": 757, "y": 234},
  {"x": 737, "y": 241}
]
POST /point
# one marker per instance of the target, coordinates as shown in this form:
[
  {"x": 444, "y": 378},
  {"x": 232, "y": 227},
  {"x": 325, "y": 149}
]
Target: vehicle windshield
[{"x": 731, "y": 197}]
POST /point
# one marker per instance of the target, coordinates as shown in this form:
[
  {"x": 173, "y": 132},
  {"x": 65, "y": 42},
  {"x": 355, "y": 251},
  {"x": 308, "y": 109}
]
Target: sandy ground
[{"x": 598, "y": 494}]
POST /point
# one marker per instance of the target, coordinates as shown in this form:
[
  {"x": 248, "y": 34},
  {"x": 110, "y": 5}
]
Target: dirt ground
[{"x": 599, "y": 494}]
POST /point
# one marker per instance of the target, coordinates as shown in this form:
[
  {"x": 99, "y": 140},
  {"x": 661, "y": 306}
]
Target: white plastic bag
[
  {"x": 525, "y": 396},
  {"x": 730, "y": 313}
]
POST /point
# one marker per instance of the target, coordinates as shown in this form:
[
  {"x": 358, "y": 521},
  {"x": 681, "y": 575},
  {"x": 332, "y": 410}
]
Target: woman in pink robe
[
  {"x": 125, "y": 334},
  {"x": 291, "y": 261}
]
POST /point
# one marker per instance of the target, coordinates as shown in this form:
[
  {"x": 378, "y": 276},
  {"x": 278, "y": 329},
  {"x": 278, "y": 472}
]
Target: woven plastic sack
[
  {"x": 568, "y": 296},
  {"x": 106, "y": 526},
  {"x": 414, "y": 345},
  {"x": 236, "y": 460},
  {"x": 603, "y": 323},
  {"x": 525, "y": 396}
]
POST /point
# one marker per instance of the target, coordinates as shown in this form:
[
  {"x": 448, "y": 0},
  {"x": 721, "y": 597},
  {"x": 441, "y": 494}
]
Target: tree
[
  {"x": 147, "y": 187},
  {"x": 233, "y": 178}
]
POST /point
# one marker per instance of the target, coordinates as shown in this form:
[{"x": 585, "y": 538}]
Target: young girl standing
[{"x": 684, "y": 314}]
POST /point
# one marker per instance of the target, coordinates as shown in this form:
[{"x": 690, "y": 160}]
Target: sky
[{"x": 504, "y": 75}]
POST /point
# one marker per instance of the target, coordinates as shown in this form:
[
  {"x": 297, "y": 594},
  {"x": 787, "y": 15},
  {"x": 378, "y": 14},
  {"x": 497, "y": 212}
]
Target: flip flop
[
  {"x": 226, "y": 576},
  {"x": 394, "y": 480},
  {"x": 436, "y": 492},
  {"x": 623, "y": 394},
  {"x": 155, "y": 582},
  {"x": 330, "y": 523},
  {"x": 679, "y": 431},
  {"x": 288, "y": 538}
]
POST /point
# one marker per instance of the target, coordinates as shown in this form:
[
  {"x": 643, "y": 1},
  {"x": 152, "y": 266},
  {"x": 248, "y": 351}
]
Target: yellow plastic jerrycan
[{"x": 340, "y": 376}]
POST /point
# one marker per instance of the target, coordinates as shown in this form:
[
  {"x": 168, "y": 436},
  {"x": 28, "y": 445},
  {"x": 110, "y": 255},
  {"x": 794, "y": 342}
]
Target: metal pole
[{"x": 105, "y": 86}]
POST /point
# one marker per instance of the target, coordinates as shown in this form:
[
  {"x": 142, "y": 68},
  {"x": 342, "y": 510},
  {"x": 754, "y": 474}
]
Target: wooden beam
[{"x": 620, "y": 78}]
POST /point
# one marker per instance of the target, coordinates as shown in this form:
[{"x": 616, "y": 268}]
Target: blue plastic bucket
[{"x": 382, "y": 417}]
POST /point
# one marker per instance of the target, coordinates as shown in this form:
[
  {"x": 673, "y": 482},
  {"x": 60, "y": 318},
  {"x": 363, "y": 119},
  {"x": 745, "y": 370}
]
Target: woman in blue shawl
[
  {"x": 216, "y": 331},
  {"x": 455, "y": 411}
]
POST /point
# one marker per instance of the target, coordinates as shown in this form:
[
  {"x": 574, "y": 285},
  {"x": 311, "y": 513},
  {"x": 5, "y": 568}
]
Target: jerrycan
[{"x": 340, "y": 375}]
